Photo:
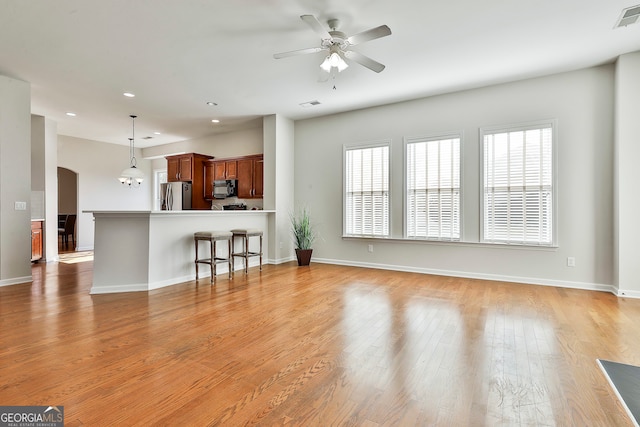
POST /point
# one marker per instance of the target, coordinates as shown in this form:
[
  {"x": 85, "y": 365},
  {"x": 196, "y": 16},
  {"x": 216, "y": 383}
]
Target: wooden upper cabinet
[
  {"x": 185, "y": 167},
  {"x": 231, "y": 169},
  {"x": 245, "y": 178},
  {"x": 258, "y": 178},
  {"x": 219, "y": 171},
  {"x": 247, "y": 170},
  {"x": 173, "y": 169},
  {"x": 250, "y": 177}
]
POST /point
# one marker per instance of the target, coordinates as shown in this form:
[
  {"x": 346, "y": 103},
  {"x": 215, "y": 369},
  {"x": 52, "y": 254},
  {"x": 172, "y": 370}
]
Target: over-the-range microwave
[{"x": 225, "y": 188}]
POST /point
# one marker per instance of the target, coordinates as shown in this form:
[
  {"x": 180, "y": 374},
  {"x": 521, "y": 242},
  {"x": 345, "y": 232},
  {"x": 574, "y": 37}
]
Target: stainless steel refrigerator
[{"x": 175, "y": 196}]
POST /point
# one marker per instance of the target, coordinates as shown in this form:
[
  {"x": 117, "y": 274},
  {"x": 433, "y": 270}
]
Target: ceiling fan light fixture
[{"x": 334, "y": 60}]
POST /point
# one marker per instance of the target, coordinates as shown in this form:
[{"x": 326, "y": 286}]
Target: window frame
[
  {"x": 363, "y": 146},
  {"x": 520, "y": 127},
  {"x": 427, "y": 138}
]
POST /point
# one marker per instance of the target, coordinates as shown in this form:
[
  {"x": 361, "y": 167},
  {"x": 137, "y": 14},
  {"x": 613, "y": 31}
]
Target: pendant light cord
[{"x": 132, "y": 152}]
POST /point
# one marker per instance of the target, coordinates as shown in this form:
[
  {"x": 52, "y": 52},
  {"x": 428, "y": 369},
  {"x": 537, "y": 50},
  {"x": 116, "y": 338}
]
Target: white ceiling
[{"x": 175, "y": 55}]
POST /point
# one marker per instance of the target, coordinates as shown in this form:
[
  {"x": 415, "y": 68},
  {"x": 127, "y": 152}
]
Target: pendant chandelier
[{"x": 132, "y": 176}]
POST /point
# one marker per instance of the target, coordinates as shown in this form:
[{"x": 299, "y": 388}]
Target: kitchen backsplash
[{"x": 217, "y": 205}]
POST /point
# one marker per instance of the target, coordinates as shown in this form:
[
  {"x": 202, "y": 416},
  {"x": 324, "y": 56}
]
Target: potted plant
[{"x": 303, "y": 235}]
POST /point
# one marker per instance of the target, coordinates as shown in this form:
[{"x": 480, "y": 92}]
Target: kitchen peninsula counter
[{"x": 145, "y": 250}]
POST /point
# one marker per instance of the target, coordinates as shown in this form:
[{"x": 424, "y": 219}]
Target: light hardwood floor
[{"x": 321, "y": 345}]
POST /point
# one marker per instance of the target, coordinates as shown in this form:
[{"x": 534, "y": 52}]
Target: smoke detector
[{"x": 628, "y": 16}]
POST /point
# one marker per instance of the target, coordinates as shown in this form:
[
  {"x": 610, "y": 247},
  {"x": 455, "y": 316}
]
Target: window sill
[{"x": 452, "y": 243}]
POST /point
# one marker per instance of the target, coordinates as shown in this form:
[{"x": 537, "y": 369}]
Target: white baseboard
[
  {"x": 138, "y": 287},
  {"x": 16, "y": 281},
  {"x": 203, "y": 272},
  {"x": 482, "y": 276},
  {"x": 625, "y": 293},
  {"x": 282, "y": 260}
]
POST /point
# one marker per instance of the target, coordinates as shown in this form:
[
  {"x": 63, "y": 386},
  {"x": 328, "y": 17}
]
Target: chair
[
  {"x": 212, "y": 237},
  {"x": 69, "y": 229},
  {"x": 244, "y": 234}
]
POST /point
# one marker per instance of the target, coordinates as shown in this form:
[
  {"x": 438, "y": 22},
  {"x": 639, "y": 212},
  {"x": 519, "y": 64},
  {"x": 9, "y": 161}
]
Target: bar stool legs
[
  {"x": 244, "y": 235},
  {"x": 212, "y": 237}
]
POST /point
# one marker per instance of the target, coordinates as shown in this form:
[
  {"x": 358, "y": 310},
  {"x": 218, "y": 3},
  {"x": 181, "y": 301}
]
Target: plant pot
[{"x": 304, "y": 256}]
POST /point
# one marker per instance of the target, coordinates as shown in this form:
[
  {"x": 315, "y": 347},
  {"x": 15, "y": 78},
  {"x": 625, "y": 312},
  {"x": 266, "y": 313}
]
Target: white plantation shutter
[
  {"x": 518, "y": 186},
  {"x": 433, "y": 189},
  {"x": 367, "y": 191}
]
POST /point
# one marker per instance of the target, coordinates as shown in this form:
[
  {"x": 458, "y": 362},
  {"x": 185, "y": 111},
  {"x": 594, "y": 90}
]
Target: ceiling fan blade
[
  {"x": 372, "y": 34},
  {"x": 298, "y": 52},
  {"x": 316, "y": 26},
  {"x": 364, "y": 61}
]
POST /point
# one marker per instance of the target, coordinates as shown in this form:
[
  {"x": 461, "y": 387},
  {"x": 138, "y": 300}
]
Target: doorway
[{"x": 67, "y": 210}]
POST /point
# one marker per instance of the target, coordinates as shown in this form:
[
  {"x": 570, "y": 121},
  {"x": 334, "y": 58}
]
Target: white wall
[
  {"x": 231, "y": 144},
  {"x": 582, "y": 104},
  {"x": 279, "y": 184},
  {"x": 44, "y": 143},
  {"x": 627, "y": 174},
  {"x": 15, "y": 181},
  {"x": 98, "y": 166},
  {"x": 51, "y": 189}
]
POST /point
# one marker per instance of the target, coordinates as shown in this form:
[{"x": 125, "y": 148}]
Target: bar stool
[
  {"x": 212, "y": 237},
  {"x": 244, "y": 234}
]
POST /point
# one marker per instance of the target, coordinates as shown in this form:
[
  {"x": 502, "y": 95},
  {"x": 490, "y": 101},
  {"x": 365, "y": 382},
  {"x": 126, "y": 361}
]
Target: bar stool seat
[
  {"x": 244, "y": 234},
  {"x": 212, "y": 237}
]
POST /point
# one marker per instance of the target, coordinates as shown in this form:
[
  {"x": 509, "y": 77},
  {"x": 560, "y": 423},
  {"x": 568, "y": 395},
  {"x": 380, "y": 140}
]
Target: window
[
  {"x": 433, "y": 188},
  {"x": 160, "y": 178},
  {"x": 518, "y": 185},
  {"x": 366, "y": 204}
]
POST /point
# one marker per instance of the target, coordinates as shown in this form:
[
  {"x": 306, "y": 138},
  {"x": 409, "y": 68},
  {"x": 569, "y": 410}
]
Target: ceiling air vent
[
  {"x": 310, "y": 103},
  {"x": 628, "y": 16}
]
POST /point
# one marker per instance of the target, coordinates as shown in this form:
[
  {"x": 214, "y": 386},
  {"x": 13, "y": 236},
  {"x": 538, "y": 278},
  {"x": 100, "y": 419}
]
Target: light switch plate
[{"x": 21, "y": 206}]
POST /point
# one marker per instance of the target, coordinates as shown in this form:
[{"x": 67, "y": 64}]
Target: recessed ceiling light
[
  {"x": 129, "y": 94},
  {"x": 70, "y": 114},
  {"x": 215, "y": 121},
  {"x": 212, "y": 104},
  {"x": 157, "y": 133}
]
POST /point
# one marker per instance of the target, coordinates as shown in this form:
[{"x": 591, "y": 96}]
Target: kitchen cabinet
[
  {"x": 258, "y": 178},
  {"x": 215, "y": 170},
  {"x": 219, "y": 170},
  {"x": 224, "y": 169},
  {"x": 190, "y": 167},
  {"x": 231, "y": 169},
  {"x": 36, "y": 240},
  {"x": 247, "y": 170},
  {"x": 250, "y": 177},
  {"x": 179, "y": 168},
  {"x": 185, "y": 167}
]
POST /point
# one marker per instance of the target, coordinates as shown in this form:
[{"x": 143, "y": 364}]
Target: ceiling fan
[{"x": 338, "y": 45}]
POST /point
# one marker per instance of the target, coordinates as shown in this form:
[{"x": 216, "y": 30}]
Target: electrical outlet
[
  {"x": 21, "y": 206},
  {"x": 281, "y": 245},
  {"x": 370, "y": 248},
  {"x": 571, "y": 261}
]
